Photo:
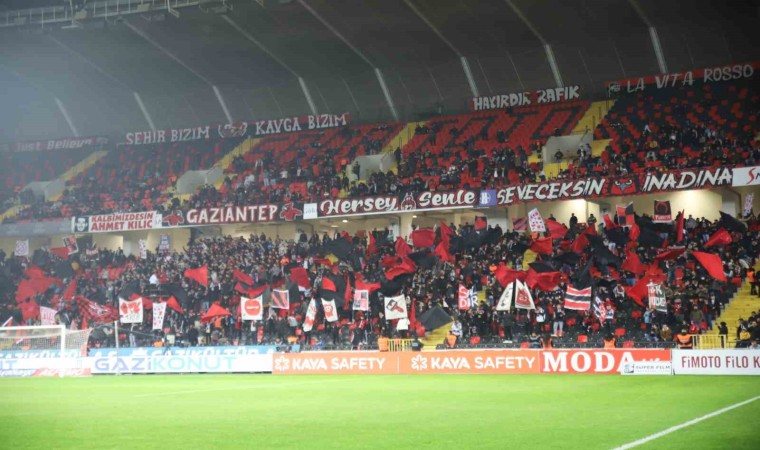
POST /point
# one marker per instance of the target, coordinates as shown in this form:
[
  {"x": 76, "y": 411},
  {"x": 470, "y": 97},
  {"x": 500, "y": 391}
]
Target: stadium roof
[{"x": 260, "y": 54}]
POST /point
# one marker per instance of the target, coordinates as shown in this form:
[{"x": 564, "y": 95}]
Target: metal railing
[
  {"x": 104, "y": 9},
  {"x": 399, "y": 345}
]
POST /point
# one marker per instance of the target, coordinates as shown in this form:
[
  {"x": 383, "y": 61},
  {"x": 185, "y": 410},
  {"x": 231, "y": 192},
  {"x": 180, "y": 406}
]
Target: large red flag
[
  {"x": 29, "y": 309},
  {"x": 402, "y": 248},
  {"x": 328, "y": 284},
  {"x": 300, "y": 276},
  {"x": 423, "y": 237},
  {"x": 679, "y": 227},
  {"x": 442, "y": 251},
  {"x": 405, "y": 266},
  {"x": 446, "y": 233},
  {"x": 542, "y": 246},
  {"x": 557, "y": 230},
  {"x": 504, "y": 275},
  {"x": 670, "y": 254},
  {"x": 174, "y": 304},
  {"x": 214, "y": 311},
  {"x": 200, "y": 275},
  {"x": 242, "y": 277},
  {"x": 637, "y": 291},
  {"x": 632, "y": 263},
  {"x": 721, "y": 237},
  {"x": 544, "y": 281},
  {"x": 712, "y": 264},
  {"x": 371, "y": 246},
  {"x": 361, "y": 285}
]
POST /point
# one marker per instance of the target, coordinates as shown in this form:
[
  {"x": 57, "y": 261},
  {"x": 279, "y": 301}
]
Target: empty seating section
[
  {"x": 699, "y": 125},
  {"x": 17, "y": 169},
  {"x": 478, "y": 140}
]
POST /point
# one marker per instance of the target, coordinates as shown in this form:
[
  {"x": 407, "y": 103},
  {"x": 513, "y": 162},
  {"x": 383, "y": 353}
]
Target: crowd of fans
[{"x": 695, "y": 299}]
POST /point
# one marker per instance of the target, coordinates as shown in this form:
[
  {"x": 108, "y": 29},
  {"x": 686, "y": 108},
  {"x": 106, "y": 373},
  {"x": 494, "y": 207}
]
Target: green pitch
[{"x": 351, "y": 412}]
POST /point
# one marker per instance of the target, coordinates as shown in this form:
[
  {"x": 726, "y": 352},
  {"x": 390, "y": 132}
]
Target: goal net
[{"x": 43, "y": 351}]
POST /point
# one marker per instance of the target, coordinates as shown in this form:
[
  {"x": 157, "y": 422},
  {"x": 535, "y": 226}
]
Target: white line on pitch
[
  {"x": 674, "y": 428},
  {"x": 236, "y": 388}
]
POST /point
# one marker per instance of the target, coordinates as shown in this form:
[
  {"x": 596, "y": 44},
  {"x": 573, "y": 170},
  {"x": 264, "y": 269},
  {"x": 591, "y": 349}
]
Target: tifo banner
[
  {"x": 747, "y": 210},
  {"x": 131, "y": 311},
  {"x": 223, "y": 350},
  {"x": 159, "y": 311},
  {"x": 539, "y": 97},
  {"x": 116, "y": 222},
  {"x": 600, "y": 361},
  {"x": 54, "y": 144},
  {"x": 22, "y": 248},
  {"x": 143, "y": 245},
  {"x": 180, "y": 364},
  {"x": 679, "y": 79},
  {"x": 716, "y": 362},
  {"x": 242, "y": 129},
  {"x": 251, "y": 308},
  {"x": 657, "y": 297},
  {"x": 746, "y": 176},
  {"x": 47, "y": 315}
]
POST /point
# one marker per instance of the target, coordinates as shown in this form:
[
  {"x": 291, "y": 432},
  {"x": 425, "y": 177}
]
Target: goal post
[{"x": 43, "y": 350}]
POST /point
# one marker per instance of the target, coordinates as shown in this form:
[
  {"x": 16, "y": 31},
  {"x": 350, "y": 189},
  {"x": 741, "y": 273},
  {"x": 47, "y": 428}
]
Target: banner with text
[
  {"x": 681, "y": 79},
  {"x": 54, "y": 144},
  {"x": 145, "y": 220},
  {"x": 716, "y": 362},
  {"x": 238, "y": 130},
  {"x": 526, "y": 98}
]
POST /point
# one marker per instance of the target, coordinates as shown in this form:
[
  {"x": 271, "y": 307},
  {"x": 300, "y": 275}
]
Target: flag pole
[{"x": 116, "y": 338}]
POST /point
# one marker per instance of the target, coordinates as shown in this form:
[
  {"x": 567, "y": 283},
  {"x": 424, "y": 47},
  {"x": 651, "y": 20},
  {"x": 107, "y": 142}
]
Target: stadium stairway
[
  {"x": 400, "y": 139},
  {"x": 740, "y": 307},
  {"x": 593, "y": 116},
  {"x": 435, "y": 337}
]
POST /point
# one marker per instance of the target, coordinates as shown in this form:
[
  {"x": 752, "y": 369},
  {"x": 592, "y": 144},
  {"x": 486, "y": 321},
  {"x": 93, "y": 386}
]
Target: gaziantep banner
[
  {"x": 145, "y": 220},
  {"x": 637, "y": 184},
  {"x": 241, "y": 129},
  {"x": 679, "y": 79},
  {"x": 526, "y": 98}
]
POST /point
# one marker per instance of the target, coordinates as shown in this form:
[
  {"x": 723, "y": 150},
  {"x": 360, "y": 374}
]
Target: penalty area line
[{"x": 675, "y": 428}]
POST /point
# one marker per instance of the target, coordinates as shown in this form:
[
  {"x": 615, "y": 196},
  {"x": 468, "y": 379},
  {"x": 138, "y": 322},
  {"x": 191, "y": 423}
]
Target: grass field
[{"x": 435, "y": 412}]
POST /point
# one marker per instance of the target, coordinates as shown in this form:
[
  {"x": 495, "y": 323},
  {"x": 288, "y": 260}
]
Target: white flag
[
  {"x": 22, "y": 248},
  {"x": 143, "y": 244},
  {"x": 47, "y": 315},
  {"x": 536, "y": 222},
  {"x": 505, "y": 301},
  {"x": 131, "y": 311},
  {"x": 251, "y": 308},
  {"x": 361, "y": 300},
  {"x": 657, "y": 297},
  {"x": 311, "y": 316},
  {"x": 747, "y": 204},
  {"x": 331, "y": 312},
  {"x": 523, "y": 298},
  {"x": 159, "y": 311},
  {"x": 395, "y": 307}
]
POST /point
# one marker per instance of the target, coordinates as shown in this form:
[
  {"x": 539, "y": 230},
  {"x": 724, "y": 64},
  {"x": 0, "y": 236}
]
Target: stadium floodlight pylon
[{"x": 43, "y": 347}]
